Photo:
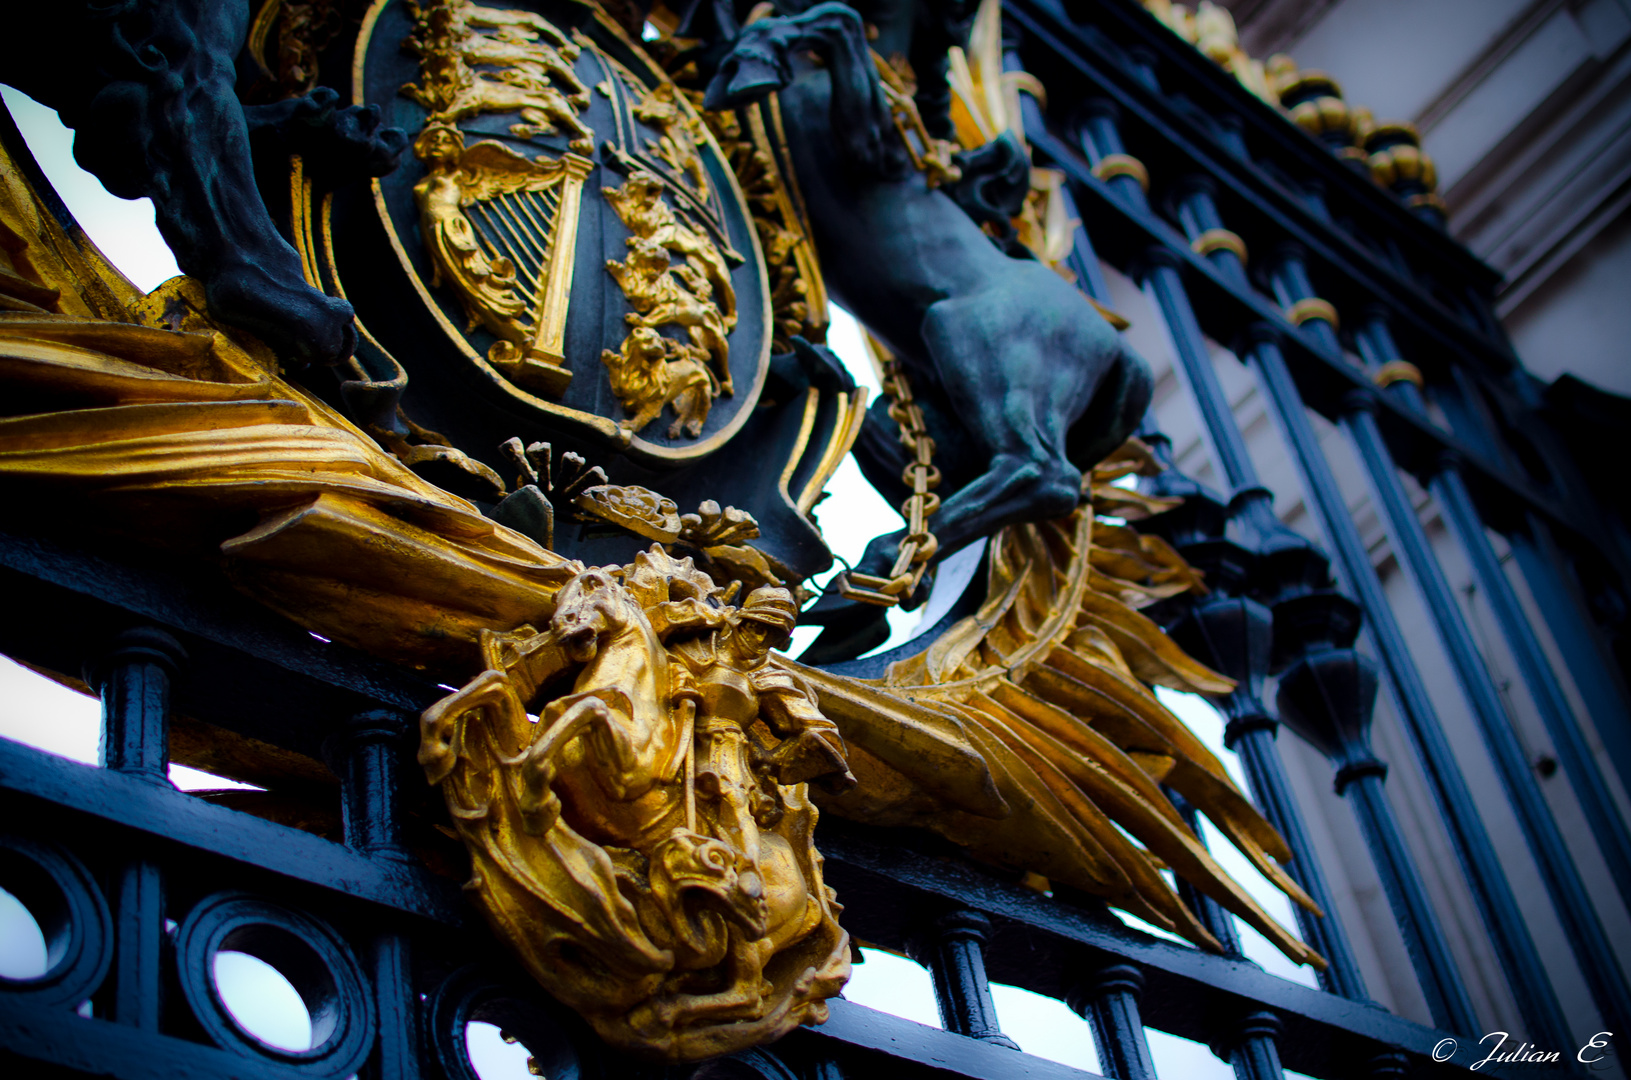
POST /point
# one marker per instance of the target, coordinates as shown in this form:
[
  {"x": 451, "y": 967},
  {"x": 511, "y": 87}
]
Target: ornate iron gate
[{"x": 1178, "y": 174}]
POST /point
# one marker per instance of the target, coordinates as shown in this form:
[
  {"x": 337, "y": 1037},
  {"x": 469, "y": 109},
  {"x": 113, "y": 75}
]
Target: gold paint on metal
[
  {"x": 287, "y": 60},
  {"x": 1325, "y": 112},
  {"x": 929, "y": 155},
  {"x": 641, "y": 206},
  {"x": 798, "y": 296},
  {"x": 637, "y": 509},
  {"x": 1312, "y": 307},
  {"x": 173, "y": 431},
  {"x": 681, "y": 134},
  {"x": 918, "y": 546},
  {"x": 715, "y": 535},
  {"x": 1398, "y": 159},
  {"x": 260, "y": 29},
  {"x": 650, "y": 372},
  {"x": 1111, "y": 166},
  {"x": 646, "y": 846},
  {"x": 533, "y": 58},
  {"x": 1050, "y": 683},
  {"x": 603, "y": 426},
  {"x": 695, "y": 296},
  {"x": 1115, "y": 318},
  {"x": 984, "y": 106},
  {"x": 808, "y": 261},
  {"x": 501, "y": 232},
  {"x": 300, "y": 225},
  {"x": 1398, "y": 371},
  {"x": 851, "y": 413},
  {"x": 1219, "y": 240},
  {"x": 812, "y": 406},
  {"x": 1211, "y": 29},
  {"x": 359, "y": 56}
]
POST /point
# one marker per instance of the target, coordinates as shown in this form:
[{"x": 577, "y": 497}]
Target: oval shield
[{"x": 569, "y": 224}]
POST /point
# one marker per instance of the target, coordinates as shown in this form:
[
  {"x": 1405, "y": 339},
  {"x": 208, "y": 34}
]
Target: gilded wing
[
  {"x": 1051, "y": 683},
  {"x": 491, "y": 169}
]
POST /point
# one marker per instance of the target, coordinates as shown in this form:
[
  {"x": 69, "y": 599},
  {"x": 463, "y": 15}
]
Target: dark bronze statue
[
  {"x": 1023, "y": 385},
  {"x": 150, "y": 94}
]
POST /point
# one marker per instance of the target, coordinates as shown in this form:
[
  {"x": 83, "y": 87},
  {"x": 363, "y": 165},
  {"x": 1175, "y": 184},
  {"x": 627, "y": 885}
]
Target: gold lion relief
[{"x": 649, "y": 371}]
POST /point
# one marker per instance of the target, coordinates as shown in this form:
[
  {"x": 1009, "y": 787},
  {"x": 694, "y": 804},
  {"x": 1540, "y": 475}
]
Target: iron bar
[
  {"x": 134, "y": 676},
  {"x": 365, "y": 755},
  {"x": 1161, "y": 274},
  {"x": 1562, "y": 880},
  {"x": 1250, "y": 730},
  {"x": 952, "y": 947},
  {"x": 1491, "y": 891},
  {"x": 1373, "y": 339},
  {"x": 1597, "y": 678},
  {"x": 1108, "y": 999},
  {"x": 1250, "y": 1047}
]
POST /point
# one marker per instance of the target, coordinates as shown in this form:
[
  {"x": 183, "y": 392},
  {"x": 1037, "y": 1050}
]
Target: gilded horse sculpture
[{"x": 640, "y": 836}]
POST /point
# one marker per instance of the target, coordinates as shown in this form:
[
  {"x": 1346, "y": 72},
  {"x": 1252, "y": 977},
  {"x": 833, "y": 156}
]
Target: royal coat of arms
[{"x": 564, "y": 457}]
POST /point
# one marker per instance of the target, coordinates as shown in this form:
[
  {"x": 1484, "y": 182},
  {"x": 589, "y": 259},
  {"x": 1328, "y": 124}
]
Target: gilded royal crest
[{"x": 562, "y": 192}]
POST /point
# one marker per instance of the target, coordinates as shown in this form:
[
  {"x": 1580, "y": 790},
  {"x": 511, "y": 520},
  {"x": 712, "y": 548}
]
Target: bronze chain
[
  {"x": 919, "y": 545},
  {"x": 933, "y": 158}
]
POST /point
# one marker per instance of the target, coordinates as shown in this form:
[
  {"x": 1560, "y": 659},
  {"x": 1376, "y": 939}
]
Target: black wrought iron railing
[{"x": 1244, "y": 232}]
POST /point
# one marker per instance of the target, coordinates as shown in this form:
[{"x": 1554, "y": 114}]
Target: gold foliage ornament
[
  {"x": 646, "y": 845},
  {"x": 1050, "y": 681}
]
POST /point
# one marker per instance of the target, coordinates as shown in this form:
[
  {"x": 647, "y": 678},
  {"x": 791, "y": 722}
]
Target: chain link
[
  {"x": 919, "y": 545},
  {"x": 932, "y": 157}
]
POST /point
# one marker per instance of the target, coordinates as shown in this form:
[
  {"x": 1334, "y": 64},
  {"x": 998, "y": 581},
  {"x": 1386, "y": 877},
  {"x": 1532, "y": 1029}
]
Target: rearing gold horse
[{"x": 585, "y": 827}]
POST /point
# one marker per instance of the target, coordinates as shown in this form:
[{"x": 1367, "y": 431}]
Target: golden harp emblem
[{"x": 501, "y": 229}]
